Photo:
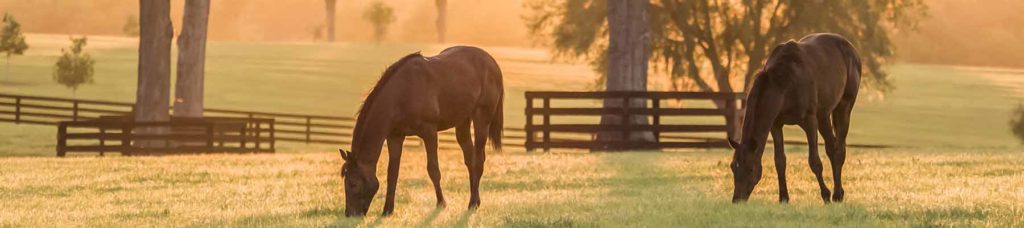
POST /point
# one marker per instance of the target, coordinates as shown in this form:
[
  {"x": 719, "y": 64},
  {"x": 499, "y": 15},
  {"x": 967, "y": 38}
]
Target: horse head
[{"x": 360, "y": 186}]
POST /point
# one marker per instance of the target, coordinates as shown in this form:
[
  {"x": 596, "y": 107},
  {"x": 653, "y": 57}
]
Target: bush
[
  {"x": 131, "y": 26},
  {"x": 380, "y": 15},
  {"x": 74, "y": 67},
  {"x": 1017, "y": 122}
]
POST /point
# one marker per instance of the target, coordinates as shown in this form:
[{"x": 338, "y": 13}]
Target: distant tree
[
  {"x": 12, "y": 42},
  {"x": 1017, "y": 122},
  {"x": 74, "y": 67},
  {"x": 703, "y": 45},
  {"x": 330, "y": 8},
  {"x": 380, "y": 15},
  {"x": 442, "y": 17},
  {"x": 131, "y": 26}
]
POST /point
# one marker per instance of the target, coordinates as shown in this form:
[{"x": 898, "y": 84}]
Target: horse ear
[{"x": 344, "y": 155}]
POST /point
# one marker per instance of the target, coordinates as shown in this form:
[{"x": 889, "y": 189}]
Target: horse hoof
[
  {"x": 826, "y": 195},
  {"x": 474, "y": 205},
  {"x": 784, "y": 200},
  {"x": 838, "y": 196},
  {"x": 386, "y": 214},
  {"x": 442, "y": 204}
]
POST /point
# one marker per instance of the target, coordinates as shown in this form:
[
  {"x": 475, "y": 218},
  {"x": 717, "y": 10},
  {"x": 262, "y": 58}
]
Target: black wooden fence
[
  {"x": 654, "y": 110},
  {"x": 289, "y": 127},
  {"x": 178, "y": 135}
]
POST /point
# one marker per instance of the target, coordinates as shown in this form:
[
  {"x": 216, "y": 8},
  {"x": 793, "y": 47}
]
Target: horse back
[{"x": 833, "y": 67}]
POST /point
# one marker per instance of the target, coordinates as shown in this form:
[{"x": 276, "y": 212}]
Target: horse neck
[
  {"x": 368, "y": 141},
  {"x": 756, "y": 127}
]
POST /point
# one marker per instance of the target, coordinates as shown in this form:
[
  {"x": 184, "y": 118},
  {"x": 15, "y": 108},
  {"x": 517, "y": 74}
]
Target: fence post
[
  {"x": 62, "y": 131},
  {"x": 245, "y": 134},
  {"x": 308, "y": 120},
  {"x": 74, "y": 111},
  {"x": 529, "y": 124},
  {"x": 258, "y": 125},
  {"x": 17, "y": 110},
  {"x": 209, "y": 136},
  {"x": 625, "y": 122},
  {"x": 272, "y": 139},
  {"x": 656, "y": 108},
  {"x": 547, "y": 124},
  {"x": 126, "y": 137},
  {"x": 103, "y": 137}
]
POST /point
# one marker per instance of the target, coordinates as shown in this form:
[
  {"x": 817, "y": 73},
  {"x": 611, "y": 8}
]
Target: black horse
[{"x": 812, "y": 83}]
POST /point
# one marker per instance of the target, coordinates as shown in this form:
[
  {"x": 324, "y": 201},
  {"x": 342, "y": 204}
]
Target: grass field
[
  {"x": 884, "y": 188},
  {"x": 955, "y": 164}
]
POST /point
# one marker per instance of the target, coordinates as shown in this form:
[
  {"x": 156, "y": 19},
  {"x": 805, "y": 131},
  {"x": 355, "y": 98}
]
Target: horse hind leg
[
  {"x": 481, "y": 128},
  {"x": 465, "y": 138},
  {"x": 827, "y": 130},
  {"x": 813, "y": 159},
  {"x": 841, "y": 122}
]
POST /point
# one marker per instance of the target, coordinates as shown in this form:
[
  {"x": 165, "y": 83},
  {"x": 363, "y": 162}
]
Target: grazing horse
[
  {"x": 812, "y": 83},
  {"x": 419, "y": 96}
]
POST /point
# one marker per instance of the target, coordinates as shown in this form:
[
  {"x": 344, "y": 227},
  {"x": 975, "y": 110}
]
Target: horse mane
[
  {"x": 368, "y": 102},
  {"x": 784, "y": 53}
]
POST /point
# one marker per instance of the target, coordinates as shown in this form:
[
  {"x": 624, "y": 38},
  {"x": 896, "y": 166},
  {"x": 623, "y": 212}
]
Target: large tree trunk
[
  {"x": 442, "y": 17},
  {"x": 152, "y": 96},
  {"x": 629, "y": 47},
  {"x": 330, "y": 6},
  {"x": 188, "y": 101}
]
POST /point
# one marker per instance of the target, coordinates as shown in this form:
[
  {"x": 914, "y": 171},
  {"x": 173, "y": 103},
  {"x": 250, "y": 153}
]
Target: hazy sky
[{"x": 956, "y": 32}]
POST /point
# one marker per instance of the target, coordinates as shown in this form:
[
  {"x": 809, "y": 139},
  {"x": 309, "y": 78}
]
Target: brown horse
[
  {"x": 812, "y": 83},
  {"x": 419, "y": 96}
]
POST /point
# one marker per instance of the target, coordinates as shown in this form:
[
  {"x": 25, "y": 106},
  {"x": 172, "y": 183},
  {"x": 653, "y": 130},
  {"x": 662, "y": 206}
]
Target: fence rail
[
  {"x": 633, "y": 104},
  {"x": 289, "y": 127}
]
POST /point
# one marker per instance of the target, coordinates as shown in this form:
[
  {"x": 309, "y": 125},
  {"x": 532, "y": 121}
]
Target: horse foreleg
[
  {"x": 430, "y": 141},
  {"x": 811, "y": 129},
  {"x": 780, "y": 162},
  {"x": 395, "y": 158}
]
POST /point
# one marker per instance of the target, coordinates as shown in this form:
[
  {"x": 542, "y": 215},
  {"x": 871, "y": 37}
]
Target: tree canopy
[{"x": 708, "y": 45}]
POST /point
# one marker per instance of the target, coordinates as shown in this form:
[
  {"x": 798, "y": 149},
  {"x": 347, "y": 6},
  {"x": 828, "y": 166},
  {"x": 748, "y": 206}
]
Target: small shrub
[
  {"x": 131, "y": 26},
  {"x": 74, "y": 67},
  {"x": 380, "y": 15},
  {"x": 1017, "y": 122},
  {"x": 12, "y": 42}
]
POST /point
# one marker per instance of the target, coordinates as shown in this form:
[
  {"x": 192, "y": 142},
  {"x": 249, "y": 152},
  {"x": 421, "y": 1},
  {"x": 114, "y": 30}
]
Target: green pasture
[
  {"x": 890, "y": 187},
  {"x": 931, "y": 106},
  {"x": 953, "y": 162}
]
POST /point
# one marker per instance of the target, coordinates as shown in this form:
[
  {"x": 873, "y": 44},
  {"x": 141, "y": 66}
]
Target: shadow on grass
[
  {"x": 463, "y": 220},
  {"x": 430, "y": 217}
]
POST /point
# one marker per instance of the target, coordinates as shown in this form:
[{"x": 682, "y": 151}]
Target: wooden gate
[{"x": 582, "y": 135}]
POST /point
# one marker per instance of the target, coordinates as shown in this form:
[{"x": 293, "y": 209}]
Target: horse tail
[
  {"x": 853, "y": 69},
  {"x": 497, "y": 124}
]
